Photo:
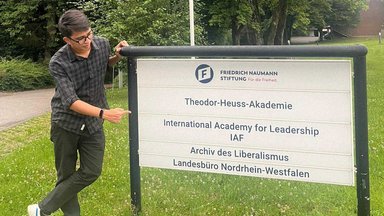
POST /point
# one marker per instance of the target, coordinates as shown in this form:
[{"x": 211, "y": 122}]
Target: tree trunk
[
  {"x": 259, "y": 40},
  {"x": 236, "y": 31},
  {"x": 321, "y": 34},
  {"x": 288, "y": 29},
  {"x": 283, "y": 11},
  {"x": 235, "y": 37},
  {"x": 51, "y": 29},
  {"x": 271, "y": 31}
]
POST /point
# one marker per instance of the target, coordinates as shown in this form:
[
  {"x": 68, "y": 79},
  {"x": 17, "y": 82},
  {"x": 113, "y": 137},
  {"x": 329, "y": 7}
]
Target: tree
[
  {"x": 318, "y": 12},
  {"x": 345, "y": 13},
  {"x": 17, "y": 27},
  {"x": 235, "y": 15},
  {"x": 150, "y": 22},
  {"x": 266, "y": 20},
  {"x": 30, "y": 26},
  {"x": 275, "y": 30},
  {"x": 213, "y": 33},
  {"x": 272, "y": 21}
]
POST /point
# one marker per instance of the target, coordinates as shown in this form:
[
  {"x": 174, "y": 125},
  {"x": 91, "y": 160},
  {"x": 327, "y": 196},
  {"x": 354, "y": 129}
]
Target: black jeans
[{"x": 68, "y": 146}]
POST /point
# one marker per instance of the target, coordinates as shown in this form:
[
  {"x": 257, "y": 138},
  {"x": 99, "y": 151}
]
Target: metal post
[
  {"x": 120, "y": 74},
  {"x": 113, "y": 76},
  {"x": 361, "y": 136},
  {"x": 134, "y": 137}
]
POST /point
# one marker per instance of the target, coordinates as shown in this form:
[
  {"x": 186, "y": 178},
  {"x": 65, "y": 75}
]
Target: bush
[{"x": 18, "y": 75}]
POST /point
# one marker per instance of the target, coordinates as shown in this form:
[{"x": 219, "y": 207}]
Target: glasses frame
[{"x": 81, "y": 41}]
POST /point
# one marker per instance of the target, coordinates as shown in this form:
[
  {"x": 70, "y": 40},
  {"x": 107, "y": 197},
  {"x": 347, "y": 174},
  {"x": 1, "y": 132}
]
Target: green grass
[{"x": 27, "y": 173}]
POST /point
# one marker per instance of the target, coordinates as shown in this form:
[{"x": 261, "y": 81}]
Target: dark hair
[{"x": 73, "y": 21}]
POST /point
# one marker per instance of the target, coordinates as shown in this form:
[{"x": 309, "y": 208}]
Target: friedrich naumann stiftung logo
[{"x": 204, "y": 73}]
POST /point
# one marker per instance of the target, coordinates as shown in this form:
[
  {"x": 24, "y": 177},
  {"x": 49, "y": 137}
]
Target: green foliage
[
  {"x": 214, "y": 34},
  {"x": 318, "y": 11},
  {"x": 21, "y": 21},
  {"x": 29, "y": 26},
  {"x": 150, "y": 22},
  {"x": 224, "y": 13},
  {"x": 345, "y": 13},
  {"x": 16, "y": 75},
  {"x": 231, "y": 15}
]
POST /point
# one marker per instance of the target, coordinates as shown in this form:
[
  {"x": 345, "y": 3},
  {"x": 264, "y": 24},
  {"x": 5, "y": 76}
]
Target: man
[{"x": 79, "y": 108}]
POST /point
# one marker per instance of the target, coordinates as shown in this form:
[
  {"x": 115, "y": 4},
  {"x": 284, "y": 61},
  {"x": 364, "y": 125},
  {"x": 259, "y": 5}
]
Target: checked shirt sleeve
[{"x": 64, "y": 85}]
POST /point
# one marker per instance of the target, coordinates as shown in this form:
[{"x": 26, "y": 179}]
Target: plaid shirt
[{"x": 78, "y": 78}]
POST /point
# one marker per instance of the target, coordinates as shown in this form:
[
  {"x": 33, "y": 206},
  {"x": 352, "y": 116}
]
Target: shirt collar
[{"x": 73, "y": 57}]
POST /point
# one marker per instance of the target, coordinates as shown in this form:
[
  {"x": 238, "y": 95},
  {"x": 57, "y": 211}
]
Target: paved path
[{"x": 18, "y": 107}]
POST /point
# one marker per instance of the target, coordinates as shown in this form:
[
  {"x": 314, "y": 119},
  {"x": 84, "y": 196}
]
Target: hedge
[{"x": 19, "y": 75}]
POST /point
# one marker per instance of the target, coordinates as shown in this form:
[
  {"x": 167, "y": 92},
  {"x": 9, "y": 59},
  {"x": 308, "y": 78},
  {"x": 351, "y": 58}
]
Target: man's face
[{"x": 80, "y": 41}]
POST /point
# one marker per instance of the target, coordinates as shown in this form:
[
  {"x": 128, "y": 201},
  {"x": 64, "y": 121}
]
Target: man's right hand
[{"x": 115, "y": 115}]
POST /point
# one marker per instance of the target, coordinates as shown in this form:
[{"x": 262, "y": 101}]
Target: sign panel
[{"x": 284, "y": 119}]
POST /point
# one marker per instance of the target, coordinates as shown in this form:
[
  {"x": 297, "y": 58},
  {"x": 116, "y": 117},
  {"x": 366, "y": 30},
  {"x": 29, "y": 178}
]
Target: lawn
[{"x": 27, "y": 173}]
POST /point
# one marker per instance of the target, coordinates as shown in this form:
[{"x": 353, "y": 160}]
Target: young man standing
[{"x": 79, "y": 108}]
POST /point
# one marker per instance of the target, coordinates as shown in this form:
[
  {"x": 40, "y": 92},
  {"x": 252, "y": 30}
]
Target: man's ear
[{"x": 66, "y": 40}]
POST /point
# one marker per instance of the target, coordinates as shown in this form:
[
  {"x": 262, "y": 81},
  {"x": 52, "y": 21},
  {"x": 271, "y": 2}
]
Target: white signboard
[{"x": 283, "y": 119}]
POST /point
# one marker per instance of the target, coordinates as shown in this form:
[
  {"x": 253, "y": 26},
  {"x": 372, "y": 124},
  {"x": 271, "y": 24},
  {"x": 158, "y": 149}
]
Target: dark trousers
[{"x": 68, "y": 146}]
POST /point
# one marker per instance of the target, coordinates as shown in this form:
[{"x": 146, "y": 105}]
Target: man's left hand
[{"x": 119, "y": 46}]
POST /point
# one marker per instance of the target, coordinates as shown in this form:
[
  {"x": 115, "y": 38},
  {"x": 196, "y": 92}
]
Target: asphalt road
[{"x": 18, "y": 107}]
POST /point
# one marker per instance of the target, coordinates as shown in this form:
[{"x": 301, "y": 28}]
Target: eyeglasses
[{"x": 82, "y": 39}]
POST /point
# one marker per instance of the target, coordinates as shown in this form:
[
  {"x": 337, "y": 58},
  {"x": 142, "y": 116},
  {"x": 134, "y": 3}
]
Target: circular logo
[{"x": 204, "y": 73}]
